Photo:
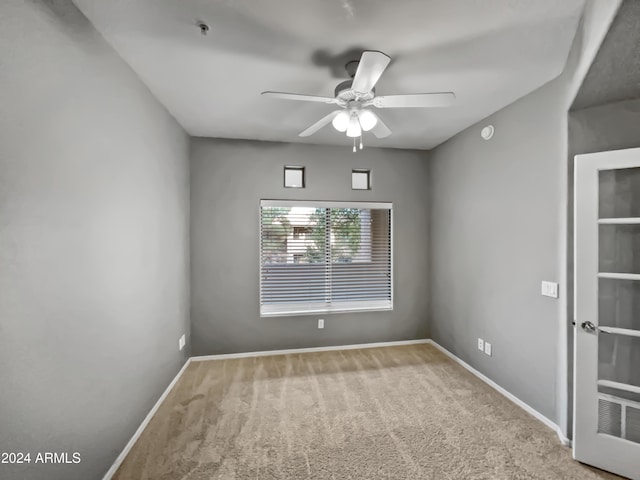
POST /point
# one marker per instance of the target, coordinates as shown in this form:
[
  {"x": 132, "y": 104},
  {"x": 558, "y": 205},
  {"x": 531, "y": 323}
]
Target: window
[
  {"x": 324, "y": 257},
  {"x": 294, "y": 177},
  {"x": 360, "y": 179}
]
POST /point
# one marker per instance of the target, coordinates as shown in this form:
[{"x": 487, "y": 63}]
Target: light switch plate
[
  {"x": 487, "y": 348},
  {"x": 481, "y": 345},
  {"x": 181, "y": 342},
  {"x": 549, "y": 289},
  {"x": 321, "y": 323}
]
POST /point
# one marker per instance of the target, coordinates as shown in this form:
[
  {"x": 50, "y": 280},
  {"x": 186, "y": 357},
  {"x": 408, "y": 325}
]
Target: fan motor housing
[{"x": 344, "y": 92}]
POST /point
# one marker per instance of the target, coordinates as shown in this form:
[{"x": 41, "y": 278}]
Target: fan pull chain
[
  {"x": 354, "y": 144},
  {"x": 360, "y": 142}
]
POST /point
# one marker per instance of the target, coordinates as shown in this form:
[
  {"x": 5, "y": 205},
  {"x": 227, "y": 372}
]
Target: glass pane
[
  {"x": 293, "y": 255},
  {"x": 360, "y": 180},
  {"x": 619, "y": 303},
  {"x": 619, "y": 248},
  {"x": 293, "y": 235},
  {"x": 360, "y": 254},
  {"x": 294, "y": 177},
  {"x": 350, "y": 235},
  {"x": 619, "y": 193},
  {"x": 619, "y": 358}
]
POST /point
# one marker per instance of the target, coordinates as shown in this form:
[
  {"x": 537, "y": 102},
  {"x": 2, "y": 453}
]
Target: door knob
[{"x": 588, "y": 327}]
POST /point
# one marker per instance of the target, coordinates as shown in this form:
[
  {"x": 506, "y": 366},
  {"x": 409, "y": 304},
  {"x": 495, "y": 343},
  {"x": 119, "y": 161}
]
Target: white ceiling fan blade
[
  {"x": 319, "y": 124},
  {"x": 300, "y": 97},
  {"x": 370, "y": 68},
  {"x": 380, "y": 130},
  {"x": 418, "y": 100}
]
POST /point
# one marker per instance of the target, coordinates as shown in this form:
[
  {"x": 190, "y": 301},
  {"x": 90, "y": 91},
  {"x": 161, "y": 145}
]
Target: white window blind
[{"x": 324, "y": 257}]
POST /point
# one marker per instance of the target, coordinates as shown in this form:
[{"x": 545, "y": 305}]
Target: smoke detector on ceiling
[{"x": 487, "y": 132}]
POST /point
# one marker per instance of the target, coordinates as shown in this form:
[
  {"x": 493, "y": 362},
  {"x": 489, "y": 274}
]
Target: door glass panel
[
  {"x": 619, "y": 193},
  {"x": 619, "y": 358},
  {"x": 619, "y": 303},
  {"x": 619, "y": 247}
]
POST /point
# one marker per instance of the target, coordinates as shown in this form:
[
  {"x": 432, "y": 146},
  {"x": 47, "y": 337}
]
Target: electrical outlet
[
  {"x": 321, "y": 323},
  {"x": 481, "y": 345},
  {"x": 181, "y": 342},
  {"x": 487, "y": 348},
  {"x": 549, "y": 289}
]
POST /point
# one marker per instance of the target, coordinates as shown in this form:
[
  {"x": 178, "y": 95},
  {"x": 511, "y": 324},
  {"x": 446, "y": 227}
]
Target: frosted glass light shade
[
  {"x": 341, "y": 122},
  {"x": 354, "y": 129},
  {"x": 367, "y": 120}
]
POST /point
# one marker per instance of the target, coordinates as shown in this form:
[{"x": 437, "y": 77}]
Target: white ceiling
[{"x": 489, "y": 52}]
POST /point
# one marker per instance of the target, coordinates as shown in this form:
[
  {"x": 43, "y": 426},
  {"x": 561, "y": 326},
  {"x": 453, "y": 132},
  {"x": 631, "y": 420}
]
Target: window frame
[{"x": 327, "y": 204}]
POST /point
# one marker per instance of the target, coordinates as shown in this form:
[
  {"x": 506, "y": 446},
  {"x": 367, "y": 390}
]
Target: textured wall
[
  {"x": 228, "y": 179},
  {"x": 612, "y": 126},
  {"x": 93, "y": 243},
  {"x": 614, "y": 74}
]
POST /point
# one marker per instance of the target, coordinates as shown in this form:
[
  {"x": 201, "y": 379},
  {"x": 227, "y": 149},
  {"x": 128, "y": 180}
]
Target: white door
[{"x": 606, "y": 423}]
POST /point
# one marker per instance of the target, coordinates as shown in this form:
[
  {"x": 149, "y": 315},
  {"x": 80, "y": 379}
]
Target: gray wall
[
  {"x": 499, "y": 226},
  {"x": 494, "y": 224},
  {"x": 93, "y": 243},
  {"x": 228, "y": 179}
]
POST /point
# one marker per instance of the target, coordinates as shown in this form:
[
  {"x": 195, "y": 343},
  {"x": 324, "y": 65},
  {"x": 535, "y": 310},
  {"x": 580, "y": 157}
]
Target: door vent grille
[
  {"x": 609, "y": 418},
  {"x": 632, "y": 424}
]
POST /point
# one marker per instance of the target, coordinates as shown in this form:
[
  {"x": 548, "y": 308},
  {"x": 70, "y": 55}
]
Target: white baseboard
[
  {"x": 144, "y": 424},
  {"x": 227, "y": 356},
  {"x": 563, "y": 439}
]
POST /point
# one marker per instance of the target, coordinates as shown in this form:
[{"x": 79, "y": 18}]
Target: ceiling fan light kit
[
  {"x": 354, "y": 129},
  {"x": 341, "y": 122},
  {"x": 367, "y": 120},
  {"x": 354, "y": 96}
]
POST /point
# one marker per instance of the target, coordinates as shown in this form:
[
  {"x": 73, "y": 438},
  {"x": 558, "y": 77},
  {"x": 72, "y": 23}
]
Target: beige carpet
[{"x": 385, "y": 413}]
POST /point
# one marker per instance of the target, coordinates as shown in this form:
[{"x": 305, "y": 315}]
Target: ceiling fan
[{"x": 355, "y": 96}]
